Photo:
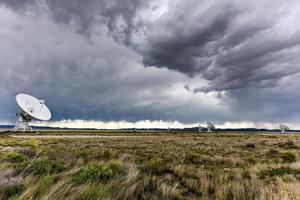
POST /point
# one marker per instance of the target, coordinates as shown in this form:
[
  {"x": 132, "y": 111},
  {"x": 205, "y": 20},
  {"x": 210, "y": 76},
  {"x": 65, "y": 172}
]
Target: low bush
[
  {"x": 251, "y": 159},
  {"x": 156, "y": 165},
  {"x": 108, "y": 154},
  {"x": 98, "y": 171},
  {"x": 15, "y": 157},
  {"x": 116, "y": 166},
  {"x": 13, "y": 191},
  {"x": 273, "y": 153},
  {"x": 278, "y": 172},
  {"x": 288, "y": 145},
  {"x": 47, "y": 166},
  {"x": 81, "y": 153},
  {"x": 288, "y": 157}
]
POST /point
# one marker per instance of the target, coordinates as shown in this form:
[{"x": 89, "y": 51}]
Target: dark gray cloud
[
  {"x": 229, "y": 43},
  {"x": 184, "y": 41},
  {"x": 118, "y": 15},
  {"x": 215, "y": 60},
  {"x": 226, "y": 42}
]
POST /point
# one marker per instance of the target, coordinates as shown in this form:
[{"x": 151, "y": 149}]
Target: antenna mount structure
[
  {"x": 283, "y": 128},
  {"x": 30, "y": 108},
  {"x": 200, "y": 128},
  {"x": 210, "y": 127},
  {"x": 22, "y": 123}
]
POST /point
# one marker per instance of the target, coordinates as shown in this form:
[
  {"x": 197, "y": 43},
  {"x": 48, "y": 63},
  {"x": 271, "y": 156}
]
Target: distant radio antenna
[
  {"x": 210, "y": 127},
  {"x": 30, "y": 108},
  {"x": 200, "y": 128},
  {"x": 283, "y": 128}
]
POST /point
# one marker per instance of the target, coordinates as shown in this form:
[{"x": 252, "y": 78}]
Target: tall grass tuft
[{"x": 94, "y": 192}]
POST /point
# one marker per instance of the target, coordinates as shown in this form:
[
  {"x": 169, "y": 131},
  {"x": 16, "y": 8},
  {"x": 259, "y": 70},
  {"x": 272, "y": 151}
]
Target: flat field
[{"x": 150, "y": 166}]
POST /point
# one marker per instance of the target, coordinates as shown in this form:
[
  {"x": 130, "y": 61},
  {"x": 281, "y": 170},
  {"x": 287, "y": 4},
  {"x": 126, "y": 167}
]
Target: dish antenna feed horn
[{"x": 30, "y": 108}]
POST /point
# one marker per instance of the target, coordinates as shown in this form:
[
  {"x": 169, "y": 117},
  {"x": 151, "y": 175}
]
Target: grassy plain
[{"x": 157, "y": 166}]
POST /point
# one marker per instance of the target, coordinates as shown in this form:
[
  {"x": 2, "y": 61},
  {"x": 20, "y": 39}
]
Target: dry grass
[{"x": 166, "y": 166}]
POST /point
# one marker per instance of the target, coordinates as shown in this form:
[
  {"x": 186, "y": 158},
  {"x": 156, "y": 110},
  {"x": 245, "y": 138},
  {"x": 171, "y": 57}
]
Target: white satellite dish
[
  {"x": 283, "y": 128},
  {"x": 210, "y": 127},
  {"x": 200, "y": 128},
  {"x": 30, "y": 108}
]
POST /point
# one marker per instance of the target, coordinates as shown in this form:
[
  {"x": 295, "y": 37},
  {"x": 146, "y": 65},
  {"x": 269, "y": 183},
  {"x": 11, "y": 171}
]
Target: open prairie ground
[{"x": 149, "y": 166}]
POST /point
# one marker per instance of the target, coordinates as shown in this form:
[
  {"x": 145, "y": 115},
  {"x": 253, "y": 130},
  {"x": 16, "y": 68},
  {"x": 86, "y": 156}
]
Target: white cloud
[
  {"x": 156, "y": 124},
  {"x": 112, "y": 124}
]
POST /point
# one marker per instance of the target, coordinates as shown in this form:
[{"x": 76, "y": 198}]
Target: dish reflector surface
[
  {"x": 33, "y": 107},
  {"x": 211, "y": 126},
  {"x": 283, "y": 127}
]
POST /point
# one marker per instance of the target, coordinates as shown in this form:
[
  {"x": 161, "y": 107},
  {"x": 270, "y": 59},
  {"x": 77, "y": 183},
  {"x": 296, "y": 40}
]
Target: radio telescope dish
[
  {"x": 210, "y": 127},
  {"x": 200, "y": 128},
  {"x": 283, "y": 128},
  {"x": 30, "y": 108}
]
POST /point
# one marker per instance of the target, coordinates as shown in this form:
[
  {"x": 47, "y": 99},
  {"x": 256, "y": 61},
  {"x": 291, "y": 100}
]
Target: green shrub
[
  {"x": 98, "y": 171},
  {"x": 288, "y": 145},
  {"x": 288, "y": 157},
  {"x": 273, "y": 153},
  {"x": 13, "y": 191},
  {"x": 45, "y": 165},
  {"x": 108, "y": 154},
  {"x": 278, "y": 172},
  {"x": 251, "y": 159},
  {"x": 156, "y": 165},
  {"x": 16, "y": 157},
  {"x": 82, "y": 153},
  {"x": 116, "y": 166}
]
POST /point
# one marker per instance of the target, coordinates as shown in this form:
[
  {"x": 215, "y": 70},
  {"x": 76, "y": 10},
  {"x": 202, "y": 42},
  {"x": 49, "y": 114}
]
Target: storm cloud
[
  {"x": 119, "y": 16},
  {"x": 160, "y": 60},
  {"x": 232, "y": 44}
]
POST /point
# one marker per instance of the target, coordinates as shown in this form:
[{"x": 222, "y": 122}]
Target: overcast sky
[{"x": 110, "y": 63}]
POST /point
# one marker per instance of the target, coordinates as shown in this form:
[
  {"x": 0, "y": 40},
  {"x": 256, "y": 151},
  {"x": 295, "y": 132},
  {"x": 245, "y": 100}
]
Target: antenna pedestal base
[{"x": 22, "y": 123}]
